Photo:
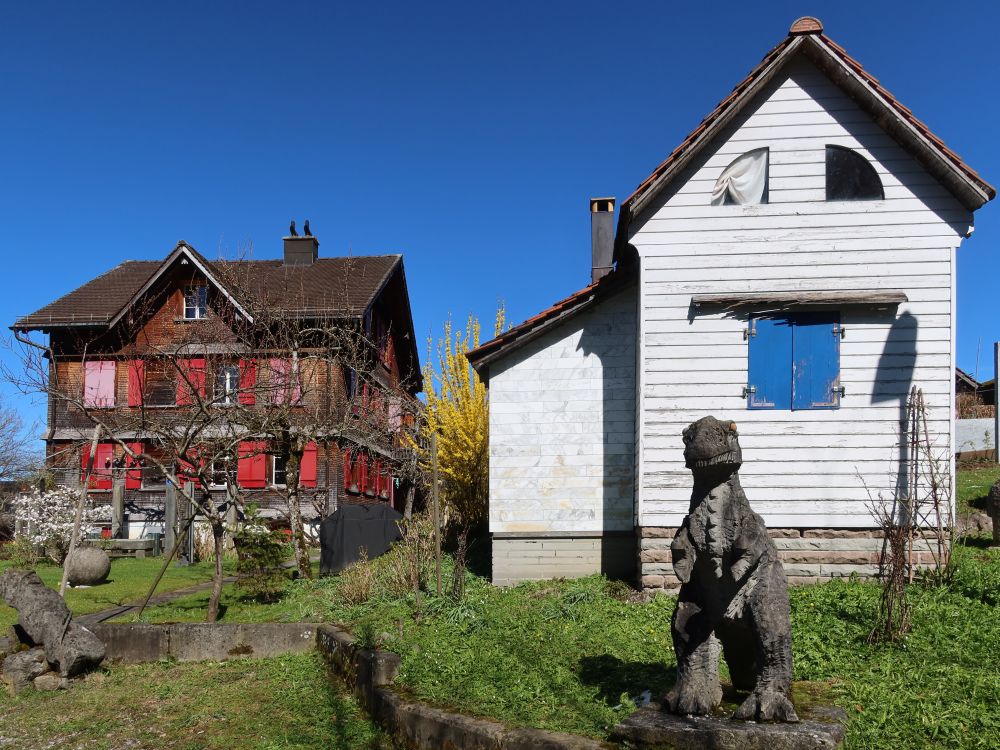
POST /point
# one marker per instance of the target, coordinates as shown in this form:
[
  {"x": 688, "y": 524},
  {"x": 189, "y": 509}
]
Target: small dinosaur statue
[{"x": 734, "y": 594}]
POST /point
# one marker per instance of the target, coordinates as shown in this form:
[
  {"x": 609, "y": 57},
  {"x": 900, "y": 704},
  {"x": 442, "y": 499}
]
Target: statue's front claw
[
  {"x": 693, "y": 699},
  {"x": 767, "y": 705}
]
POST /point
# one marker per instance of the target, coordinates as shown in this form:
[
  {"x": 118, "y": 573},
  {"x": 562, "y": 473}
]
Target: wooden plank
[{"x": 789, "y": 299}]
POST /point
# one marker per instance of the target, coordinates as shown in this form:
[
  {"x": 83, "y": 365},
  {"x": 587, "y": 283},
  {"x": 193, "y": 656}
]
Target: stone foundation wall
[
  {"x": 532, "y": 557},
  {"x": 809, "y": 555}
]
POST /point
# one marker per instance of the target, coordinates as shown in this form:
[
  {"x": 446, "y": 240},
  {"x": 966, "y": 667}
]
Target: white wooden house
[{"x": 791, "y": 267}]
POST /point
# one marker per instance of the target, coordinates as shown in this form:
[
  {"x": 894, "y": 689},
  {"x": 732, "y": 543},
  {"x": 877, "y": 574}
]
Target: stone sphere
[{"x": 87, "y": 566}]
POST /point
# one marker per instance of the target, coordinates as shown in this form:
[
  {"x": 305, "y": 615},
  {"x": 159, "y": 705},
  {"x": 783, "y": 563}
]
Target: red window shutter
[
  {"x": 348, "y": 470},
  {"x": 99, "y": 383},
  {"x": 133, "y": 477},
  {"x": 183, "y": 392},
  {"x": 191, "y": 371},
  {"x": 362, "y": 473},
  {"x": 251, "y": 465},
  {"x": 307, "y": 469},
  {"x": 100, "y": 478},
  {"x": 248, "y": 381},
  {"x": 84, "y": 457},
  {"x": 136, "y": 382}
]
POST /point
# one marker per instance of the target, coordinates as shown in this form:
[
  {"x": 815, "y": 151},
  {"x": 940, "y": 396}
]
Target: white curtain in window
[{"x": 744, "y": 180}]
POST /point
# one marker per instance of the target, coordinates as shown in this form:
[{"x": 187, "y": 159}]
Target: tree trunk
[
  {"x": 300, "y": 549},
  {"x": 218, "y": 537},
  {"x": 411, "y": 490}
]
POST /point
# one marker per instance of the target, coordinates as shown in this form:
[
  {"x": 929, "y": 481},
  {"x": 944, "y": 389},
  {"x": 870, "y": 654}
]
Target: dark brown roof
[
  {"x": 558, "y": 312},
  {"x": 95, "y": 302},
  {"x": 331, "y": 286},
  {"x": 806, "y": 34}
]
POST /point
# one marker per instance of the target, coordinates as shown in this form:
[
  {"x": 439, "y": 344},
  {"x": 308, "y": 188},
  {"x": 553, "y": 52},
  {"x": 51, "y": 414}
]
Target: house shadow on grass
[{"x": 612, "y": 676}]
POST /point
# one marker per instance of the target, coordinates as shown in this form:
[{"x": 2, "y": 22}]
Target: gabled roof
[
  {"x": 343, "y": 287},
  {"x": 806, "y": 37},
  {"x": 536, "y": 325}
]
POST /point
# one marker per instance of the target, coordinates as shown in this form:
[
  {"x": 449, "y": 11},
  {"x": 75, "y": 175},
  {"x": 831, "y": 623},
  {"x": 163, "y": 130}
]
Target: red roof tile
[{"x": 612, "y": 282}]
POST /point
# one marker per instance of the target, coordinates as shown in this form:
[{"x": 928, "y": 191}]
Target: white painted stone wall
[
  {"x": 974, "y": 435},
  {"x": 562, "y": 421},
  {"x": 803, "y": 469}
]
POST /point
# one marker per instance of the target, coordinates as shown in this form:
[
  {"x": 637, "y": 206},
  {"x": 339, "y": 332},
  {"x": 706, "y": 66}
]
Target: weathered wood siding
[
  {"x": 801, "y": 467},
  {"x": 562, "y": 420}
]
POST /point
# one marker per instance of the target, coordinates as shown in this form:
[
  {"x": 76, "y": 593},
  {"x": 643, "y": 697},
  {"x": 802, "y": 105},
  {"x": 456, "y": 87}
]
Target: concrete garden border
[{"x": 372, "y": 672}]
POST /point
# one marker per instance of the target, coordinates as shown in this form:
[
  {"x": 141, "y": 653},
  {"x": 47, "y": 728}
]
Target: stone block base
[
  {"x": 527, "y": 557},
  {"x": 808, "y": 555},
  {"x": 820, "y": 728}
]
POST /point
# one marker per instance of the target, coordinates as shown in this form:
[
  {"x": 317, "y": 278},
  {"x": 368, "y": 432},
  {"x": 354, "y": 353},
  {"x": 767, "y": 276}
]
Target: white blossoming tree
[{"x": 48, "y": 519}]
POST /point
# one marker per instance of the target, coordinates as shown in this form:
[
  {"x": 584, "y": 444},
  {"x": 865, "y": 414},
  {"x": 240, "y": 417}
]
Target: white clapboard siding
[
  {"x": 810, "y": 468},
  {"x": 562, "y": 426}
]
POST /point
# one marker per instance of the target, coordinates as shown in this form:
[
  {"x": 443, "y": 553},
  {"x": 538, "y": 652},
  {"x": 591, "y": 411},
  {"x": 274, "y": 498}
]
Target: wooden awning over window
[{"x": 871, "y": 297}]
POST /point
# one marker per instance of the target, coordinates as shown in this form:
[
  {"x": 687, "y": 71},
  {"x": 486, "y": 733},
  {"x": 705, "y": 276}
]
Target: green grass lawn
[
  {"x": 567, "y": 655},
  {"x": 266, "y": 704},
  {"x": 972, "y": 484},
  {"x": 128, "y": 582}
]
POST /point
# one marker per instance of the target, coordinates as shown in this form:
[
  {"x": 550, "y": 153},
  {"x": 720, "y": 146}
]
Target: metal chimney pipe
[{"x": 602, "y": 237}]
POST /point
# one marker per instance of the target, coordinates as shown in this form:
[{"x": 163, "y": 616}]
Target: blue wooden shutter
[
  {"x": 816, "y": 361},
  {"x": 770, "y": 360}
]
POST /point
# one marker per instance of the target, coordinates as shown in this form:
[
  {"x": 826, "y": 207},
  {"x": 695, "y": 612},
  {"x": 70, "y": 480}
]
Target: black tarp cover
[{"x": 351, "y": 528}]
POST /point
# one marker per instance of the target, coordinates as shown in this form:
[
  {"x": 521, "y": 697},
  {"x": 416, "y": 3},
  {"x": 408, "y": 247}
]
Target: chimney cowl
[{"x": 602, "y": 237}]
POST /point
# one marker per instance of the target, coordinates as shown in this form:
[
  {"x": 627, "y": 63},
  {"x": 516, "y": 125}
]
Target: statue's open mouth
[{"x": 730, "y": 457}]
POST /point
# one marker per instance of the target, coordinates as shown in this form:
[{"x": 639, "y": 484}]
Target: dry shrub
[
  {"x": 357, "y": 582},
  {"x": 971, "y": 406},
  {"x": 407, "y": 566},
  {"x": 409, "y": 563}
]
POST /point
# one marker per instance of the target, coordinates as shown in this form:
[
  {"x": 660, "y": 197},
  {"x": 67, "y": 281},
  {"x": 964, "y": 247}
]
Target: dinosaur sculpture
[{"x": 734, "y": 594}]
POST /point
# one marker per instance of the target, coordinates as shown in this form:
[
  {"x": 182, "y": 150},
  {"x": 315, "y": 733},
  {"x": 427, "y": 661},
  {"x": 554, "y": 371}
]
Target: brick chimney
[
  {"x": 602, "y": 237},
  {"x": 301, "y": 250}
]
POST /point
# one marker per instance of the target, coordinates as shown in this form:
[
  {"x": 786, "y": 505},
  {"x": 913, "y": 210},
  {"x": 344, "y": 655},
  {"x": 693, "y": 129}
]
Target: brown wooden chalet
[{"x": 134, "y": 341}]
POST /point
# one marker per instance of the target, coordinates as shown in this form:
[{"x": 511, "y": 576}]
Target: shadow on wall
[
  {"x": 893, "y": 380},
  {"x": 610, "y": 335}
]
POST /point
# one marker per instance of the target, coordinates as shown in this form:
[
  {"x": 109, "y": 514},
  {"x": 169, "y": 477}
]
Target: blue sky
[{"x": 466, "y": 136}]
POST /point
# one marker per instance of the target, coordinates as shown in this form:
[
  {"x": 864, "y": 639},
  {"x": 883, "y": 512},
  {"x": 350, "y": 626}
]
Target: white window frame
[
  {"x": 215, "y": 472},
  {"x": 196, "y": 307},
  {"x": 274, "y": 471},
  {"x": 229, "y": 395}
]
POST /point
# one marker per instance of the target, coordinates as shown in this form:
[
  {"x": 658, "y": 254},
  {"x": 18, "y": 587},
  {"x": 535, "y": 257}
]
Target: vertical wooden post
[
  {"x": 74, "y": 538},
  {"x": 437, "y": 509},
  {"x": 118, "y": 505},
  {"x": 170, "y": 516},
  {"x": 996, "y": 403}
]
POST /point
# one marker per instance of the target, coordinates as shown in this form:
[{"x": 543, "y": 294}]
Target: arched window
[
  {"x": 744, "y": 181},
  {"x": 851, "y": 177}
]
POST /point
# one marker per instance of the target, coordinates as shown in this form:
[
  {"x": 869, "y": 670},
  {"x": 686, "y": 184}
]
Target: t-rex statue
[{"x": 734, "y": 594}]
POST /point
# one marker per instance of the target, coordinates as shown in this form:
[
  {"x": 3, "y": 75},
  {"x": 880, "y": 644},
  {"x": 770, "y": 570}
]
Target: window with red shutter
[
  {"x": 100, "y": 476},
  {"x": 307, "y": 470},
  {"x": 136, "y": 382},
  {"x": 190, "y": 379},
  {"x": 133, "y": 473},
  {"x": 248, "y": 382},
  {"x": 99, "y": 384},
  {"x": 349, "y": 485},
  {"x": 251, "y": 467},
  {"x": 367, "y": 479}
]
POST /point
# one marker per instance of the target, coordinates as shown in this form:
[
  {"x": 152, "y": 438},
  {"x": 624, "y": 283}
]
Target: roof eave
[{"x": 971, "y": 193}]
